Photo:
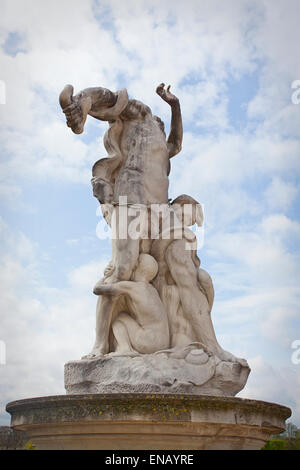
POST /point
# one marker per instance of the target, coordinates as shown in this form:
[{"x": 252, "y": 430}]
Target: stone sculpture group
[{"x": 154, "y": 330}]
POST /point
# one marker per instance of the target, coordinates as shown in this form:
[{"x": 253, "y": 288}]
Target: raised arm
[
  {"x": 88, "y": 101},
  {"x": 175, "y": 137}
]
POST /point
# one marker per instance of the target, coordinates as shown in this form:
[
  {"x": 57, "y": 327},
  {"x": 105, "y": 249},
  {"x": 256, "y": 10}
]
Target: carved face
[{"x": 103, "y": 191}]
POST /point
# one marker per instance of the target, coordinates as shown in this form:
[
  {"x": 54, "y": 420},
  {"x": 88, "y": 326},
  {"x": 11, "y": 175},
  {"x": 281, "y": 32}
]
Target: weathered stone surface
[
  {"x": 156, "y": 373},
  {"x": 144, "y": 421},
  {"x": 11, "y": 439}
]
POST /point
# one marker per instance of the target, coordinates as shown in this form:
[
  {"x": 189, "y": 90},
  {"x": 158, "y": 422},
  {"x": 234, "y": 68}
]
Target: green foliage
[
  {"x": 288, "y": 440},
  {"x": 29, "y": 446},
  {"x": 275, "y": 444},
  {"x": 10, "y": 439},
  {"x": 293, "y": 444}
]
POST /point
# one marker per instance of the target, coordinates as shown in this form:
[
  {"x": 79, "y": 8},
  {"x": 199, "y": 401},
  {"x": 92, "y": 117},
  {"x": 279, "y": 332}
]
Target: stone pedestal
[
  {"x": 143, "y": 421},
  {"x": 196, "y": 374}
]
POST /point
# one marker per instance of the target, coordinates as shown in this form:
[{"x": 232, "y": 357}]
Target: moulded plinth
[{"x": 143, "y": 421}]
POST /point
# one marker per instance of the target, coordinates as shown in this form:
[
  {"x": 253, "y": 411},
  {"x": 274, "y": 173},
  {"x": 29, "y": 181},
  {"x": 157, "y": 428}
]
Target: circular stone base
[{"x": 142, "y": 421}]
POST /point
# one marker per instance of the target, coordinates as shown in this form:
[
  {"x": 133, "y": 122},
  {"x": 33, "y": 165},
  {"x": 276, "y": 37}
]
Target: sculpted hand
[
  {"x": 166, "y": 95},
  {"x": 97, "y": 287},
  {"x": 76, "y": 108}
]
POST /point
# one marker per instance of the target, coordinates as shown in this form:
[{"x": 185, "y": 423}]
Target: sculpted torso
[{"x": 143, "y": 176}]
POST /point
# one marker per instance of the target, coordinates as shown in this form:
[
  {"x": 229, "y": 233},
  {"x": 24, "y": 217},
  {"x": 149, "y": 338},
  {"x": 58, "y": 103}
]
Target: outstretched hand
[{"x": 166, "y": 95}]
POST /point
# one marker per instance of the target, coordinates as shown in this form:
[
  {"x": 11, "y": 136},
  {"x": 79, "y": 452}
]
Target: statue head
[
  {"x": 103, "y": 190},
  {"x": 146, "y": 269},
  {"x": 188, "y": 210}
]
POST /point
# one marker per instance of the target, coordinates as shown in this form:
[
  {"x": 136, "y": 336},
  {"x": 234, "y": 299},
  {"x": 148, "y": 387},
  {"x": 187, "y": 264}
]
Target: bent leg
[
  {"x": 194, "y": 302},
  {"x": 105, "y": 309},
  {"x": 125, "y": 253},
  {"x": 121, "y": 335},
  {"x": 125, "y": 249},
  {"x": 130, "y": 336}
]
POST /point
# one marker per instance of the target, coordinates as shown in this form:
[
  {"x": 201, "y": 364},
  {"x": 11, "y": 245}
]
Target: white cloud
[
  {"x": 199, "y": 48},
  {"x": 279, "y": 225},
  {"x": 280, "y": 194},
  {"x": 42, "y": 327},
  {"x": 86, "y": 276},
  {"x": 256, "y": 282},
  {"x": 277, "y": 40},
  {"x": 81, "y": 52},
  {"x": 278, "y": 324},
  {"x": 271, "y": 383}
]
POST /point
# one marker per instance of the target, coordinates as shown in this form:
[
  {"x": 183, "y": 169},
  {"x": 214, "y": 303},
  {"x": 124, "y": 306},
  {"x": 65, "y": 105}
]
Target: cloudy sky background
[{"x": 232, "y": 64}]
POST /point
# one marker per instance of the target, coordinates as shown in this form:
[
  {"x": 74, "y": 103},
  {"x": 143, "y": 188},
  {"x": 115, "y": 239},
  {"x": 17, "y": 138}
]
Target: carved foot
[
  {"x": 123, "y": 354},
  {"x": 229, "y": 357},
  {"x": 95, "y": 353}
]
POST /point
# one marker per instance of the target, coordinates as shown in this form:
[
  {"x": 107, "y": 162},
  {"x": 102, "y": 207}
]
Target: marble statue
[
  {"x": 153, "y": 315},
  {"x": 145, "y": 328}
]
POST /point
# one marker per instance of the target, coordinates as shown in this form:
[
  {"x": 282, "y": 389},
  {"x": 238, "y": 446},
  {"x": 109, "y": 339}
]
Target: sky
[{"x": 235, "y": 68}]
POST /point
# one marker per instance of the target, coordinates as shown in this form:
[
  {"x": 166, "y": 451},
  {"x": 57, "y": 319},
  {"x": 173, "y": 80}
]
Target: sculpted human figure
[
  {"x": 136, "y": 169},
  {"x": 135, "y": 175},
  {"x": 144, "y": 328},
  {"x": 154, "y": 303},
  {"x": 185, "y": 288}
]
